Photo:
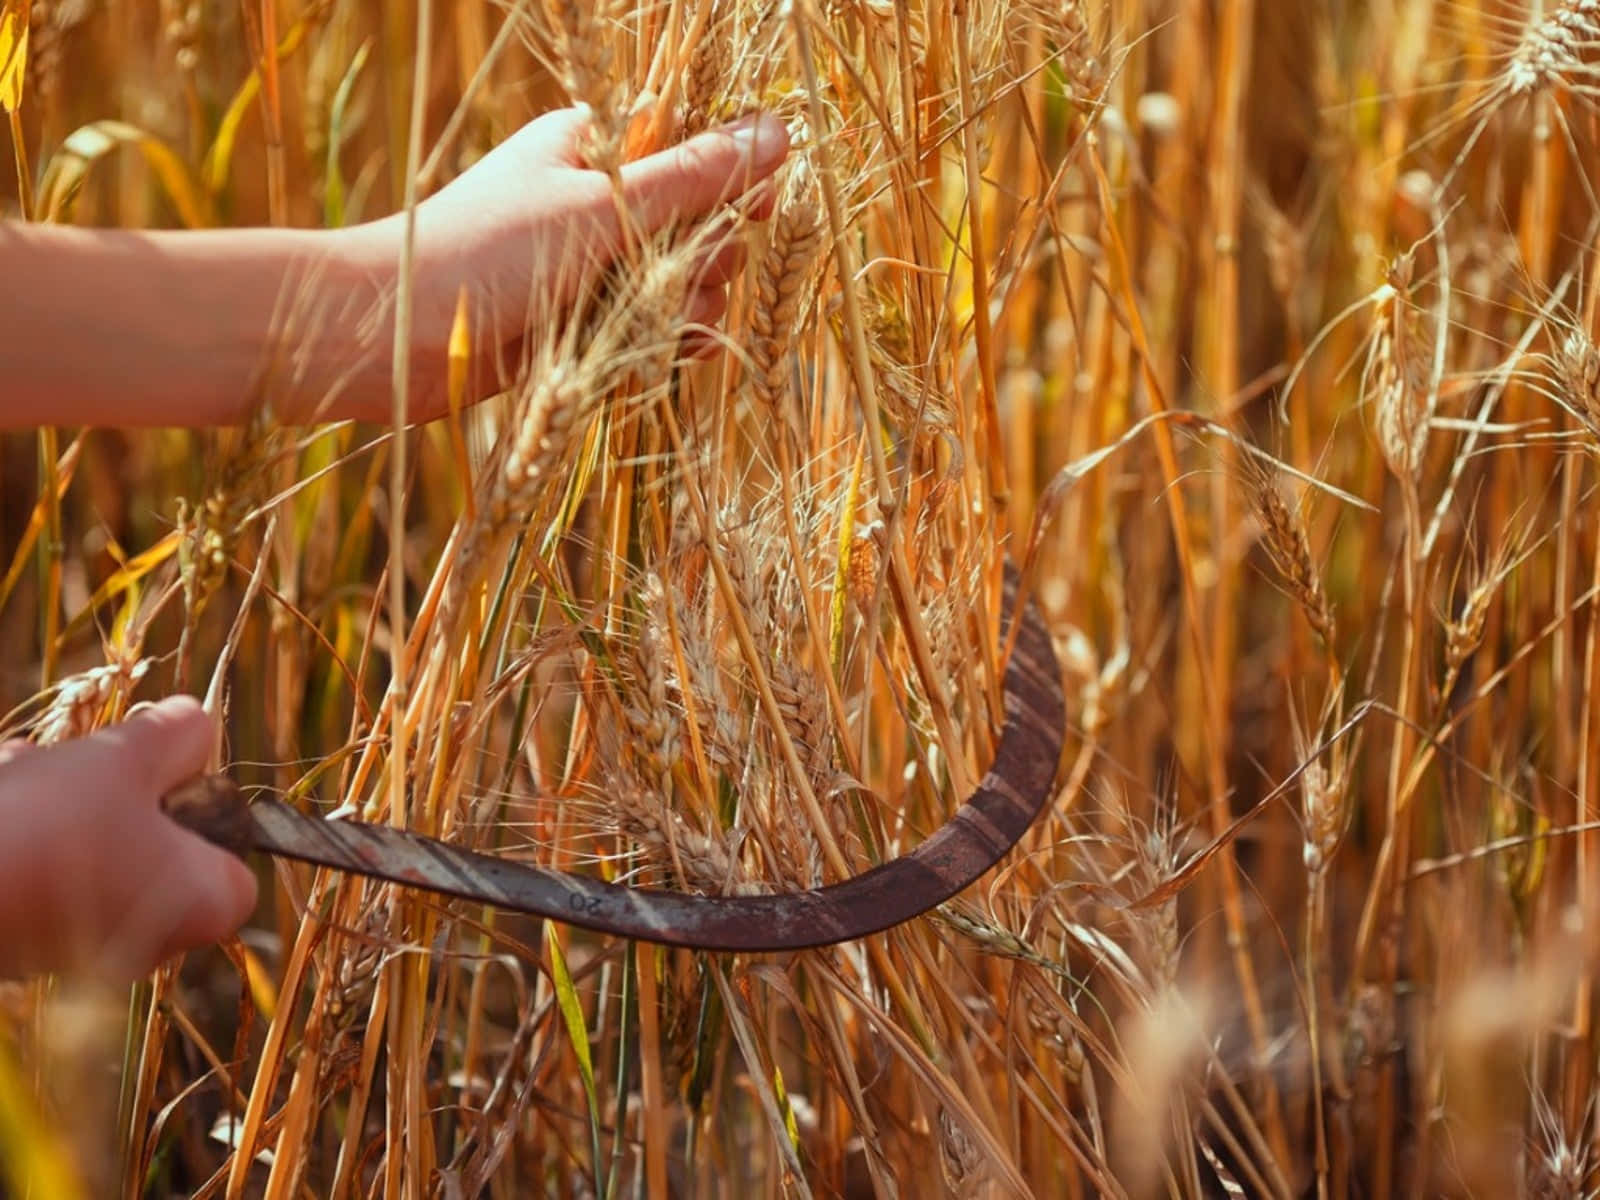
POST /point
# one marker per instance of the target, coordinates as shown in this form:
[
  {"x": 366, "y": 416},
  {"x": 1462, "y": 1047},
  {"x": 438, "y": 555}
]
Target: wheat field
[{"x": 1261, "y": 336}]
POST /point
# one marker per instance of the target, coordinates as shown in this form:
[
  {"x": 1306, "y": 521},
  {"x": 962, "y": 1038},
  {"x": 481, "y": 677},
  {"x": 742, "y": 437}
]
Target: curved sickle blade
[{"x": 1008, "y": 800}]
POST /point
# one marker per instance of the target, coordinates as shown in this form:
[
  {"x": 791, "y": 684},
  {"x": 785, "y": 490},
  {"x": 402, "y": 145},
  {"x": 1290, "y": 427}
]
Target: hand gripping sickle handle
[{"x": 1009, "y": 798}]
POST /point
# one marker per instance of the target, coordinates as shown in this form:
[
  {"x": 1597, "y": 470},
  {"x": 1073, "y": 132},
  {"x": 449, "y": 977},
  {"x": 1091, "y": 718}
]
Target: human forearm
[
  {"x": 198, "y": 328},
  {"x": 127, "y": 328}
]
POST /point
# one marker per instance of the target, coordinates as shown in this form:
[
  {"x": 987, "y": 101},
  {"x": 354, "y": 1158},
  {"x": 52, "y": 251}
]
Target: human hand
[
  {"x": 529, "y": 228},
  {"x": 93, "y": 877}
]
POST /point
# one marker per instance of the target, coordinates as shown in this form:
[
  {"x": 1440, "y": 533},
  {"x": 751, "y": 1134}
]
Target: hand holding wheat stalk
[
  {"x": 96, "y": 880},
  {"x": 185, "y": 327}
]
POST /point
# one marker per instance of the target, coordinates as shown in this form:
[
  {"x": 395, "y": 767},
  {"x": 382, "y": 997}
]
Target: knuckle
[{"x": 696, "y": 157}]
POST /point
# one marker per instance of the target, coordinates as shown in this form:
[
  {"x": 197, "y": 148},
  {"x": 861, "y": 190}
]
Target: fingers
[
  {"x": 694, "y": 178},
  {"x": 93, "y": 877},
  {"x": 221, "y": 895},
  {"x": 706, "y": 305},
  {"x": 721, "y": 263},
  {"x": 199, "y": 895},
  {"x": 169, "y": 743},
  {"x": 161, "y": 745},
  {"x": 760, "y": 201},
  {"x": 707, "y": 299},
  {"x": 703, "y": 308},
  {"x": 532, "y": 230}
]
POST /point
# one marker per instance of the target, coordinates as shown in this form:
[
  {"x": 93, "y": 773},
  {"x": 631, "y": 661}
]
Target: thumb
[
  {"x": 691, "y": 179},
  {"x": 203, "y": 893}
]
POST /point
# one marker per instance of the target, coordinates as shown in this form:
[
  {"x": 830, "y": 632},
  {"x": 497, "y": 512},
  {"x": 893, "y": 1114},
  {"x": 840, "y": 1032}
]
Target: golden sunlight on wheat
[{"x": 1261, "y": 337}]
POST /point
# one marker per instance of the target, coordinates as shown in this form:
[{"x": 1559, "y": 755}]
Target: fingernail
[
  {"x": 763, "y": 137},
  {"x": 179, "y": 703}
]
